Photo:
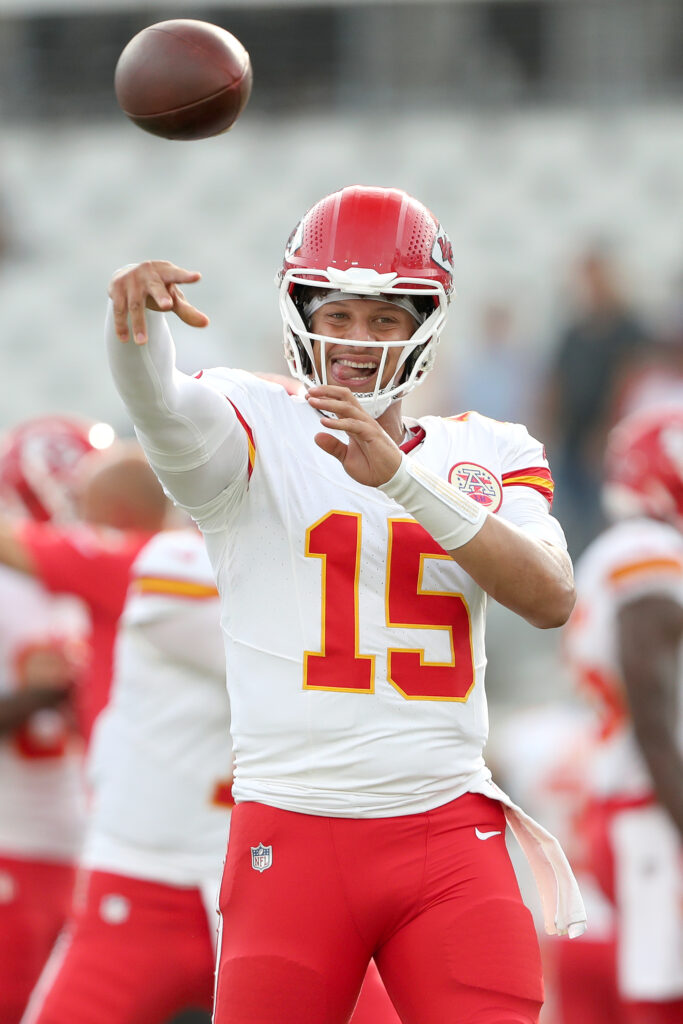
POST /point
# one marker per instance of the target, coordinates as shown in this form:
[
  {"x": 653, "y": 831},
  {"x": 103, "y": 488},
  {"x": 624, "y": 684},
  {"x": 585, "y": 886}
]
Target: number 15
[{"x": 339, "y": 665}]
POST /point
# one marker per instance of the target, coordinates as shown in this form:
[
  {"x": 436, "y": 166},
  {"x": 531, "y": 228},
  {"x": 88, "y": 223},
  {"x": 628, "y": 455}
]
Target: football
[{"x": 183, "y": 79}]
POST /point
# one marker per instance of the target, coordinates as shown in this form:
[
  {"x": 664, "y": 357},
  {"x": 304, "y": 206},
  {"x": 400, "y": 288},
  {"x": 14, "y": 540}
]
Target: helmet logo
[
  {"x": 477, "y": 482},
  {"x": 295, "y": 240},
  {"x": 442, "y": 250}
]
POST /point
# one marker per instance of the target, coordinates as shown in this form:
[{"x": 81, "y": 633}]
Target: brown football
[{"x": 183, "y": 79}]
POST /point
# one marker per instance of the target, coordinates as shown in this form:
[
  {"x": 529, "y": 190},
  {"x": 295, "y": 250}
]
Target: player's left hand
[{"x": 370, "y": 457}]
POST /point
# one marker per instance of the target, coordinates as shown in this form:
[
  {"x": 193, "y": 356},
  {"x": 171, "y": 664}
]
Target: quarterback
[{"x": 354, "y": 552}]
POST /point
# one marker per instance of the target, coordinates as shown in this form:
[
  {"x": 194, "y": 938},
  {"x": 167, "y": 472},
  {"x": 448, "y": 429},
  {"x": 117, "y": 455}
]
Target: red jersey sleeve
[{"x": 91, "y": 563}]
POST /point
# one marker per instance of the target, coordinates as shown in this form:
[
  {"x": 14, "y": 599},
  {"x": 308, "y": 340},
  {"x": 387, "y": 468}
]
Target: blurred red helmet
[
  {"x": 39, "y": 460},
  {"x": 364, "y": 242},
  {"x": 644, "y": 466}
]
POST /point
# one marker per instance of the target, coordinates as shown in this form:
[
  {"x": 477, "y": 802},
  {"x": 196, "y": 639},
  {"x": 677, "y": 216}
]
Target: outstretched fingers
[{"x": 153, "y": 284}]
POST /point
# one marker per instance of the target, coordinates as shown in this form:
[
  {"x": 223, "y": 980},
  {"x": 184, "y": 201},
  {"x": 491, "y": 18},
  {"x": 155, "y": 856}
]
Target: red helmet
[
  {"x": 644, "y": 465},
  {"x": 38, "y": 463},
  {"x": 367, "y": 242}
]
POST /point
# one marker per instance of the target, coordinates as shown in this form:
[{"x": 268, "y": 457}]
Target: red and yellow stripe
[
  {"x": 537, "y": 477},
  {"x": 250, "y": 438},
  {"x": 173, "y": 587}
]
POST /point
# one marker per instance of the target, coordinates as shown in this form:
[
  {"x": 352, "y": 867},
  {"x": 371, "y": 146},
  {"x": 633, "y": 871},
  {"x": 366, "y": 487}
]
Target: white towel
[{"x": 563, "y": 909}]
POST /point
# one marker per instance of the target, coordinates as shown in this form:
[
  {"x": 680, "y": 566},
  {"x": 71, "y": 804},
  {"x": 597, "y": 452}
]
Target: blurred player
[
  {"x": 41, "y": 793},
  {"x": 353, "y": 580},
  {"x": 139, "y": 946},
  {"x": 120, "y": 505},
  {"x": 623, "y": 642},
  {"x": 541, "y": 755}
]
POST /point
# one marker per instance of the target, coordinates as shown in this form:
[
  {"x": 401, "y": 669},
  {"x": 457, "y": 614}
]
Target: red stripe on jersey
[
  {"x": 198, "y": 375},
  {"x": 537, "y": 477},
  {"x": 418, "y": 436},
  {"x": 250, "y": 438}
]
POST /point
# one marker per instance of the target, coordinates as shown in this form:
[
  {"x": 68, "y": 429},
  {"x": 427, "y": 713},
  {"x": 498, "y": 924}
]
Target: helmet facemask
[{"x": 418, "y": 351}]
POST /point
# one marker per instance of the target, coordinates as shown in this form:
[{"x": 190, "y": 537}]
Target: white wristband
[{"x": 451, "y": 517}]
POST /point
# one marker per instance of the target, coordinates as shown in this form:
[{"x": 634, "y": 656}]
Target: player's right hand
[
  {"x": 51, "y": 666},
  {"x": 153, "y": 284}
]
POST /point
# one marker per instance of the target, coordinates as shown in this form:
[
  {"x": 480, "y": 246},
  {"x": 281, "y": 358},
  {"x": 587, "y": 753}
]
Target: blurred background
[{"x": 547, "y": 137}]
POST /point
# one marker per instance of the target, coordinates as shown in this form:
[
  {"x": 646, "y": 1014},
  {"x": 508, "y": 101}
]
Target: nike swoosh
[{"x": 484, "y": 835}]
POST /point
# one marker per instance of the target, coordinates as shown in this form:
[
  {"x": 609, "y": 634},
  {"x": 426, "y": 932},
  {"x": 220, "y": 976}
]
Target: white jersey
[
  {"x": 355, "y": 644},
  {"x": 631, "y": 559},
  {"x": 161, "y": 762},
  {"x": 42, "y": 796}
]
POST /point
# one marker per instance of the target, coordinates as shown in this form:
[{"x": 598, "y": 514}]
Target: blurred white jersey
[
  {"x": 631, "y": 559},
  {"x": 42, "y": 796},
  {"x": 161, "y": 761},
  {"x": 356, "y": 693}
]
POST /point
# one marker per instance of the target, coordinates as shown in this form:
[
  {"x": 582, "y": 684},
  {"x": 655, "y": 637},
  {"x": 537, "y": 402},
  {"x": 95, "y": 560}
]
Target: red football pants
[
  {"x": 34, "y": 901},
  {"x": 134, "y": 952},
  {"x": 433, "y": 897},
  {"x": 585, "y": 979}
]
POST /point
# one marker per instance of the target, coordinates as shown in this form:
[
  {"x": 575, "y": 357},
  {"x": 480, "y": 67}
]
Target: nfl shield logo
[{"x": 261, "y": 857}]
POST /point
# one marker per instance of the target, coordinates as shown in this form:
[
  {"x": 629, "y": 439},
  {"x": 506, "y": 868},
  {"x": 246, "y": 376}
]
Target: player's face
[{"x": 360, "y": 320}]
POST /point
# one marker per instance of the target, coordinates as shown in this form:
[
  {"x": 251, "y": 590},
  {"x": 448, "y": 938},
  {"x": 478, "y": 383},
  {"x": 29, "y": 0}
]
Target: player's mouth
[{"x": 352, "y": 373}]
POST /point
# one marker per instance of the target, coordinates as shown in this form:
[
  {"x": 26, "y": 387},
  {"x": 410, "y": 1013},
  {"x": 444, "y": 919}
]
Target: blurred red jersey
[{"x": 92, "y": 563}]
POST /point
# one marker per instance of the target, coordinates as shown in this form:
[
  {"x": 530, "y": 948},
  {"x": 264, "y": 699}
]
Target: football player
[
  {"x": 42, "y": 800},
  {"x": 139, "y": 944},
  {"x": 623, "y": 643},
  {"x": 119, "y": 505},
  {"x": 354, "y": 552}
]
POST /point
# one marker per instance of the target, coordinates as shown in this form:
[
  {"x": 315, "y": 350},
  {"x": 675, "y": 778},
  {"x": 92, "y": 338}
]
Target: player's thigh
[
  {"x": 34, "y": 902},
  {"x": 134, "y": 953},
  {"x": 470, "y": 952},
  {"x": 289, "y": 949},
  {"x": 478, "y": 967}
]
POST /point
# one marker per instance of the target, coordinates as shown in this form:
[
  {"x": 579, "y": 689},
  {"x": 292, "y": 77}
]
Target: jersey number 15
[{"x": 339, "y": 665}]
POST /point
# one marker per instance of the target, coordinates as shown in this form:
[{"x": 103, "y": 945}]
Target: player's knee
[
  {"x": 263, "y": 989},
  {"x": 496, "y": 950}
]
